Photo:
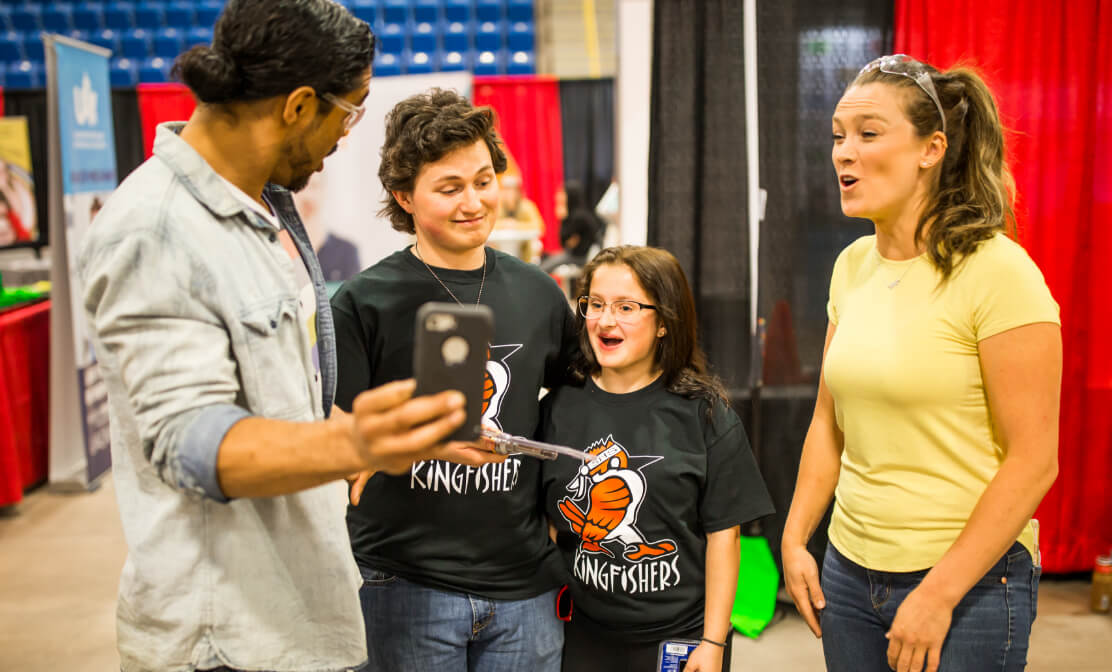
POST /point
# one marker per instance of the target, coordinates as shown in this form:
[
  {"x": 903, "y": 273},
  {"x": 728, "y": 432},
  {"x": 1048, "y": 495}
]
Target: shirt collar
[{"x": 198, "y": 177}]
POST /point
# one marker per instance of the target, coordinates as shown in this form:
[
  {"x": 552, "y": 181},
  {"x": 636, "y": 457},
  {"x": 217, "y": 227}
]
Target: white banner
[{"x": 340, "y": 206}]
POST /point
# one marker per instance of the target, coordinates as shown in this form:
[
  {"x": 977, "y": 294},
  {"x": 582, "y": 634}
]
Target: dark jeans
[
  {"x": 412, "y": 627},
  {"x": 990, "y": 629},
  {"x": 585, "y": 650}
]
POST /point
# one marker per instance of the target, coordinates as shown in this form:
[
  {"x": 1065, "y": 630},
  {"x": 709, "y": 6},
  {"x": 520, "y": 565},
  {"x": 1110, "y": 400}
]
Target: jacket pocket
[{"x": 272, "y": 364}]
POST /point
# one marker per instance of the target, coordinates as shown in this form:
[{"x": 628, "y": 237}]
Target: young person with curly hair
[{"x": 459, "y": 572}]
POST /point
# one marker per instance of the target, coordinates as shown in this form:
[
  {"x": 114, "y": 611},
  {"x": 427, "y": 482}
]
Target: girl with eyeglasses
[
  {"x": 649, "y": 527},
  {"x": 936, "y": 425}
]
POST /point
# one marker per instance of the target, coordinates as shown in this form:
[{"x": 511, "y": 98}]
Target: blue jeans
[
  {"x": 990, "y": 629},
  {"x": 414, "y": 628}
]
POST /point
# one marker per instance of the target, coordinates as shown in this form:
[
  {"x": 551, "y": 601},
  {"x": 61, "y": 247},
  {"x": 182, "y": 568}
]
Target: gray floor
[{"x": 60, "y": 557}]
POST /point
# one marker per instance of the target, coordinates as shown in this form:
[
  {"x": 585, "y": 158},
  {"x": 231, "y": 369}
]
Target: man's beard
[{"x": 301, "y": 166}]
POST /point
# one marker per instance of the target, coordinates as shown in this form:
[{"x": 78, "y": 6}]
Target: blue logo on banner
[{"x": 85, "y": 115}]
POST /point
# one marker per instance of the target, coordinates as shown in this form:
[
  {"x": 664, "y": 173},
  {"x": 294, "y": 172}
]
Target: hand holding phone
[{"x": 450, "y": 353}]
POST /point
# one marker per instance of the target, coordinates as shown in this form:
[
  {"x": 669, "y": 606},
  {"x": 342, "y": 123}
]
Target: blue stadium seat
[
  {"x": 179, "y": 15},
  {"x": 454, "y": 61},
  {"x": 119, "y": 15},
  {"x": 391, "y": 38},
  {"x": 24, "y": 75},
  {"x": 88, "y": 16},
  {"x": 456, "y": 36},
  {"x": 124, "y": 73},
  {"x": 32, "y": 47},
  {"x": 426, "y": 11},
  {"x": 135, "y": 44},
  {"x": 490, "y": 10},
  {"x": 489, "y": 63},
  {"x": 11, "y": 47},
  {"x": 366, "y": 10},
  {"x": 107, "y": 38},
  {"x": 149, "y": 16},
  {"x": 489, "y": 36},
  {"x": 154, "y": 71},
  {"x": 519, "y": 10},
  {"x": 419, "y": 63},
  {"x": 198, "y": 35},
  {"x": 521, "y": 63},
  {"x": 424, "y": 37},
  {"x": 207, "y": 13},
  {"x": 387, "y": 65},
  {"x": 26, "y": 18},
  {"x": 458, "y": 10},
  {"x": 521, "y": 36},
  {"x": 57, "y": 18},
  {"x": 395, "y": 11},
  {"x": 168, "y": 43}
]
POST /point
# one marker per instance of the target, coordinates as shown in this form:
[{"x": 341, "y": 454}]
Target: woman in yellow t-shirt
[{"x": 936, "y": 425}]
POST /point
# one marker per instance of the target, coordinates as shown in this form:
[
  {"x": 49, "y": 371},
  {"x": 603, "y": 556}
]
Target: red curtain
[
  {"x": 529, "y": 122},
  {"x": 159, "y": 103},
  {"x": 1049, "y": 66}
]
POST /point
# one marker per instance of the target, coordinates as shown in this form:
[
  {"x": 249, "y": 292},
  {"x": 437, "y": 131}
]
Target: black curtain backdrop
[
  {"x": 807, "y": 52},
  {"x": 697, "y": 172},
  {"x": 587, "y": 118},
  {"x": 127, "y": 127},
  {"x": 31, "y": 103}
]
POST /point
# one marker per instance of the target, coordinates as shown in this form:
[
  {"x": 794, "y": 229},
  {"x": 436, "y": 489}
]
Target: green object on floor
[{"x": 758, "y": 579}]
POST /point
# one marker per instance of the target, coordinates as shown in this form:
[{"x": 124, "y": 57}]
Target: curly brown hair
[
  {"x": 974, "y": 196},
  {"x": 423, "y": 129}
]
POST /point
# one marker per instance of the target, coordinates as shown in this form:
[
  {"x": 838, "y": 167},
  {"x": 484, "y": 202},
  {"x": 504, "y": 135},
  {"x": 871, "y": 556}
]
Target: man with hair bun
[{"x": 216, "y": 343}]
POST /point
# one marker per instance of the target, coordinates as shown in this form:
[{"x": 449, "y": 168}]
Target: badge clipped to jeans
[{"x": 674, "y": 653}]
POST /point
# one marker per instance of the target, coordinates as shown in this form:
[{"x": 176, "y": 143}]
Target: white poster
[{"x": 340, "y": 206}]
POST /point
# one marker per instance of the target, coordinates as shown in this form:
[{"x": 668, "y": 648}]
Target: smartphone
[
  {"x": 674, "y": 653},
  {"x": 450, "y": 353}
]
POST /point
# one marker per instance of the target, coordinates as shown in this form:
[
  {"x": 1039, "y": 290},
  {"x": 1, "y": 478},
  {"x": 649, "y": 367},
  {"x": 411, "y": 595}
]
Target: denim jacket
[{"x": 193, "y": 304}]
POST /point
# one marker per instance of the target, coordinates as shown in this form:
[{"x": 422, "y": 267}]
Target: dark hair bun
[{"x": 210, "y": 74}]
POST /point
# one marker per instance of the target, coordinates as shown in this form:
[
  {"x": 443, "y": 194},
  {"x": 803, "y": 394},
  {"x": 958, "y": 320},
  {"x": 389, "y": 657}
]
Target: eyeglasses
[
  {"x": 902, "y": 64},
  {"x": 624, "y": 311},
  {"x": 354, "y": 113}
]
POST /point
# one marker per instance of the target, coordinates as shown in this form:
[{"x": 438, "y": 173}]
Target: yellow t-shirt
[{"x": 904, "y": 371}]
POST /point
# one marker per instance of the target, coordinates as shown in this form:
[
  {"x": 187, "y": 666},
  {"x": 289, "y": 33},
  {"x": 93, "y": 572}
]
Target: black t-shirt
[
  {"x": 445, "y": 525},
  {"x": 632, "y": 523}
]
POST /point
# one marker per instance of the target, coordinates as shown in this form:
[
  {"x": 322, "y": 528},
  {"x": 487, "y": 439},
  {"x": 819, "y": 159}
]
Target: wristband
[{"x": 720, "y": 645}]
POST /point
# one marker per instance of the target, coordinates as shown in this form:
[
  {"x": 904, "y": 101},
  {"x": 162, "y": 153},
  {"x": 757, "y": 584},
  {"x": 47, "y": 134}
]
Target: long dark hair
[
  {"x": 973, "y": 199},
  {"x": 266, "y": 48},
  {"x": 678, "y": 355}
]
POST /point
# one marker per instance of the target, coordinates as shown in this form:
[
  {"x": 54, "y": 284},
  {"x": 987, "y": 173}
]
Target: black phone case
[{"x": 450, "y": 353}]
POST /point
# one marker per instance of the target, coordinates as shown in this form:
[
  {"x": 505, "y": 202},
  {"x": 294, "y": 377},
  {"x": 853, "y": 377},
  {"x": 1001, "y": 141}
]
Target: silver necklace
[
  {"x": 450, "y": 292},
  {"x": 892, "y": 285}
]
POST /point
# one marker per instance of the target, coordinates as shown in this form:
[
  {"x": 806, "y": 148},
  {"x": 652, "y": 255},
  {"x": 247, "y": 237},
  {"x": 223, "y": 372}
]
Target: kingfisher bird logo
[
  {"x": 496, "y": 382},
  {"x": 85, "y": 102},
  {"x": 607, "y": 494}
]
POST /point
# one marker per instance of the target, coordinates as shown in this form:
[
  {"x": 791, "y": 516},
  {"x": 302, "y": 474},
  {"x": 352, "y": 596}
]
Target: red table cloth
[{"x": 24, "y": 399}]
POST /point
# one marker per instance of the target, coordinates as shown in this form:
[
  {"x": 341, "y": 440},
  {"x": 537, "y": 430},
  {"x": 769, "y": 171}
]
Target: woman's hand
[
  {"x": 918, "y": 631},
  {"x": 705, "y": 658},
  {"x": 801, "y": 576}
]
